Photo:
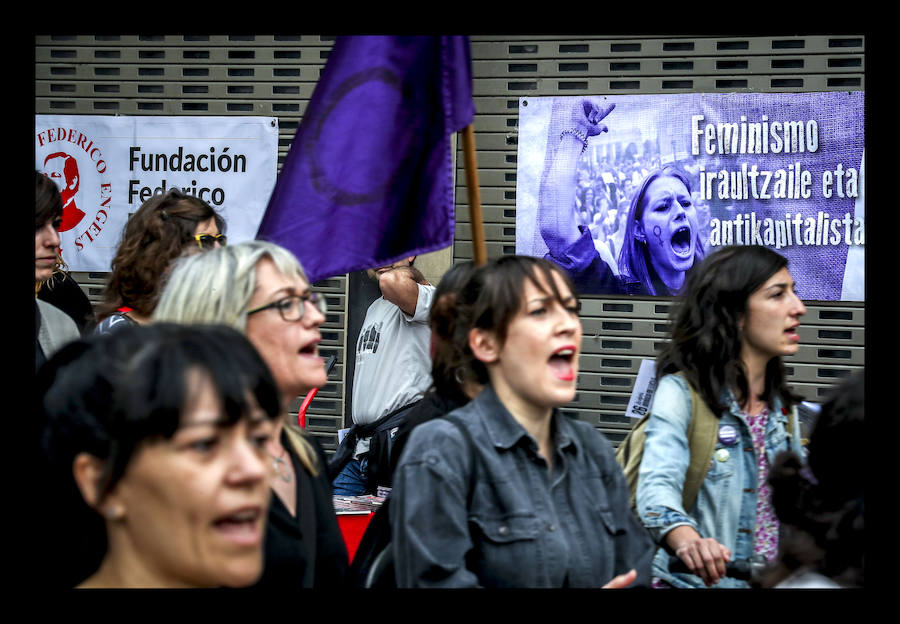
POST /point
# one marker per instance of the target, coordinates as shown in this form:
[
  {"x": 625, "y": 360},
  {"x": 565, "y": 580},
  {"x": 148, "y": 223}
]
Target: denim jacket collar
[
  {"x": 505, "y": 432},
  {"x": 729, "y": 400}
]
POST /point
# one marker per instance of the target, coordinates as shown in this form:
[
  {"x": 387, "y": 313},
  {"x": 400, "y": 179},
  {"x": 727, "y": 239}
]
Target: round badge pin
[
  {"x": 722, "y": 455},
  {"x": 728, "y": 434}
]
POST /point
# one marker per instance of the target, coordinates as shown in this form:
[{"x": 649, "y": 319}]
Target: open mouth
[
  {"x": 311, "y": 349},
  {"x": 242, "y": 527},
  {"x": 562, "y": 363},
  {"x": 792, "y": 333},
  {"x": 681, "y": 241}
]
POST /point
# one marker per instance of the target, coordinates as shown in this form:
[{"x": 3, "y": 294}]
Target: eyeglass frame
[{"x": 317, "y": 300}]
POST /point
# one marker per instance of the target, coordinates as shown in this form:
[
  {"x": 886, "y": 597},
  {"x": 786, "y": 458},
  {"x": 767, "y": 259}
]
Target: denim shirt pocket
[
  {"x": 597, "y": 488},
  {"x": 717, "y": 488},
  {"x": 507, "y": 529},
  {"x": 608, "y": 520},
  {"x": 506, "y": 547}
]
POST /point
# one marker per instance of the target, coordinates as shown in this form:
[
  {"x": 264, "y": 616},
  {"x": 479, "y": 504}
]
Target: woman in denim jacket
[
  {"x": 738, "y": 318},
  {"x": 513, "y": 493}
]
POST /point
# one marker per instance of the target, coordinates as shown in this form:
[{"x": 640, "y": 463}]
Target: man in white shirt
[{"x": 392, "y": 369}]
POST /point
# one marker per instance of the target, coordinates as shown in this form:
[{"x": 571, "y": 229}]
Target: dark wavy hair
[
  {"x": 47, "y": 200},
  {"x": 705, "y": 339},
  {"x": 160, "y": 231},
  {"x": 822, "y": 511},
  {"x": 634, "y": 258},
  {"x": 444, "y": 318},
  {"x": 492, "y": 297},
  {"x": 110, "y": 394}
]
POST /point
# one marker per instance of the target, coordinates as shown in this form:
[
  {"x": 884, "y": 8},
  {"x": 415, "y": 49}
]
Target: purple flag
[{"x": 368, "y": 179}]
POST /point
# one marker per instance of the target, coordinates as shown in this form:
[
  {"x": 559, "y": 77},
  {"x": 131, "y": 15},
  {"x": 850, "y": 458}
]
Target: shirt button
[
  {"x": 551, "y": 527},
  {"x": 503, "y": 530}
]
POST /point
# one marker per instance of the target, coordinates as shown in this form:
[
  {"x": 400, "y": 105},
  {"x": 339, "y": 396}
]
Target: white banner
[
  {"x": 106, "y": 167},
  {"x": 644, "y": 388}
]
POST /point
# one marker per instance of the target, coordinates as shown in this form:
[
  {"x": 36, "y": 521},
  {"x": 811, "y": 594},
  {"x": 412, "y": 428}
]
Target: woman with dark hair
[
  {"x": 662, "y": 238},
  {"x": 63, "y": 291},
  {"x": 165, "y": 227},
  {"x": 821, "y": 506},
  {"x": 157, "y": 434},
  {"x": 53, "y": 327},
  {"x": 506, "y": 491},
  {"x": 452, "y": 386},
  {"x": 736, "y": 321}
]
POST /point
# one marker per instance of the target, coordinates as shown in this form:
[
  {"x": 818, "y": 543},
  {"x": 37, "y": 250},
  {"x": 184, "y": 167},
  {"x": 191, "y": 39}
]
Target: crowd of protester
[{"x": 166, "y": 442}]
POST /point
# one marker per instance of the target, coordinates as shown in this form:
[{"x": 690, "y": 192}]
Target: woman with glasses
[
  {"x": 165, "y": 227},
  {"x": 261, "y": 289}
]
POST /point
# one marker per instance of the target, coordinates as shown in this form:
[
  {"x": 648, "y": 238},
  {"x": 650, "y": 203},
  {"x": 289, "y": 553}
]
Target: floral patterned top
[{"x": 766, "y": 534}]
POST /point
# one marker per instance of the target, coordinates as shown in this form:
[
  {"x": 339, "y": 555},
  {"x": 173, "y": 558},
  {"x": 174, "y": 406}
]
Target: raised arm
[
  {"x": 572, "y": 122},
  {"x": 400, "y": 286}
]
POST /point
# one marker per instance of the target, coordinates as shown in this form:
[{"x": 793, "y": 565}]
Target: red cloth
[{"x": 352, "y": 528}]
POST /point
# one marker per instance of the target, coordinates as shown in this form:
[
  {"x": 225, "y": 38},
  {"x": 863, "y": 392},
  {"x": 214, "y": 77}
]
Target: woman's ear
[
  {"x": 639, "y": 233},
  {"x": 484, "y": 345},
  {"x": 87, "y": 471}
]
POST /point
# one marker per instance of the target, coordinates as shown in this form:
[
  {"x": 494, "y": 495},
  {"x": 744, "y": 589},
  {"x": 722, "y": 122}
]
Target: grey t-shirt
[{"x": 393, "y": 360}]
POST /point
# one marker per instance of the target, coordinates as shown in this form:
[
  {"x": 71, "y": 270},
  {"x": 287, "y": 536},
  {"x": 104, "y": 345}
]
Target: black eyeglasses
[
  {"x": 292, "y": 308},
  {"x": 208, "y": 241}
]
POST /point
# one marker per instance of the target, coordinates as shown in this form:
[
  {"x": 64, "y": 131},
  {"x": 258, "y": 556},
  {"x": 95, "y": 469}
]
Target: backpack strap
[
  {"x": 702, "y": 433},
  {"x": 629, "y": 455},
  {"x": 474, "y": 457},
  {"x": 701, "y": 436}
]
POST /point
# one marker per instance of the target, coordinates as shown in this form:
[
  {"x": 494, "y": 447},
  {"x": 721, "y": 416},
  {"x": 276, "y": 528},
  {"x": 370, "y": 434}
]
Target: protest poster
[
  {"x": 107, "y": 166},
  {"x": 784, "y": 170}
]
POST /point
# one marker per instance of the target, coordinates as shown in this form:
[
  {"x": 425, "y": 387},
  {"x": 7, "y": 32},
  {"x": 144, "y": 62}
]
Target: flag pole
[{"x": 468, "y": 136}]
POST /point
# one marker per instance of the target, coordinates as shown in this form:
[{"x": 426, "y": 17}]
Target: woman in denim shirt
[
  {"x": 513, "y": 493},
  {"x": 738, "y": 318}
]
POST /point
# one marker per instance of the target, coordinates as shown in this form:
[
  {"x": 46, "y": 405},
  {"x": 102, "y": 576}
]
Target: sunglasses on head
[{"x": 208, "y": 241}]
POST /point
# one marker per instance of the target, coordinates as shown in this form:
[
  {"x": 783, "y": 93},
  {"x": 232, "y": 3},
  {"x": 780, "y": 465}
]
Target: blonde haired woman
[{"x": 262, "y": 290}]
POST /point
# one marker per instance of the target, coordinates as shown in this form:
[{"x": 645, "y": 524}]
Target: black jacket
[{"x": 307, "y": 550}]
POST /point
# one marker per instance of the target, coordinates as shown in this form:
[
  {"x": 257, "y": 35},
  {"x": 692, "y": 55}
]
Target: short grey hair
[{"x": 216, "y": 286}]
